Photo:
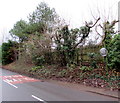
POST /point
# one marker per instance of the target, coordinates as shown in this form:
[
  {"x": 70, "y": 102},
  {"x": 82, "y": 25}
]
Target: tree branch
[
  {"x": 93, "y": 24},
  {"x": 97, "y": 31},
  {"x": 81, "y": 40}
]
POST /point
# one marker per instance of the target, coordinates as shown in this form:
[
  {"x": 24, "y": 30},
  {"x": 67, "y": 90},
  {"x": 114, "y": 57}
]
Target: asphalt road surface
[{"x": 16, "y": 87}]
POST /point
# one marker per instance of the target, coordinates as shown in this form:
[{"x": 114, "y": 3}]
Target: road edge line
[
  {"x": 104, "y": 94},
  {"x": 10, "y": 84},
  {"x": 37, "y": 98}
]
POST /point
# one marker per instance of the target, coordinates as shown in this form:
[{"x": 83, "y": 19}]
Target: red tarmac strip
[{"x": 16, "y": 79}]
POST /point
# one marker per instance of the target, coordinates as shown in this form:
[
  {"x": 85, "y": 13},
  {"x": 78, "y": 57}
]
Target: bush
[
  {"x": 9, "y": 52},
  {"x": 85, "y": 68},
  {"x": 38, "y": 60},
  {"x": 93, "y": 57},
  {"x": 114, "y": 53},
  {"x": 62, "y": 73},
  {"x": 34, "y": 69}
]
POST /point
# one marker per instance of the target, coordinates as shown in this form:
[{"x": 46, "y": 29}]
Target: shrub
[
  {"x": 62, "y": 73},
  {"x": 9, "y": 52},
  {"x": 38, "y": 60},
  {"x": 85, "y": 68},
  {"x": 34, "y": 69},
  {"x": 114, "y": 53},
  {"x": 93, "y": 57}
]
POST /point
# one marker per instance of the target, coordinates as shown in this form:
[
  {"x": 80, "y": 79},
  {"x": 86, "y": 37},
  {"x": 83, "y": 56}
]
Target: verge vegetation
[{"x": 47, "y": 48}]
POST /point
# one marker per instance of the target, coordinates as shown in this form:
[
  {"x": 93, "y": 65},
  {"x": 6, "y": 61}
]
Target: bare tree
[{"x": 107, "y": 21}]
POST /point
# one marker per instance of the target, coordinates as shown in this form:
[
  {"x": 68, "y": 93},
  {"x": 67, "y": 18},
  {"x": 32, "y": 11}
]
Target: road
[{"x": 16, "y": 87}]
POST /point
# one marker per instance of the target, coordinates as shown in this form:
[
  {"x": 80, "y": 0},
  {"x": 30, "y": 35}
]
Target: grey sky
[{"x": 75, "y": 12}]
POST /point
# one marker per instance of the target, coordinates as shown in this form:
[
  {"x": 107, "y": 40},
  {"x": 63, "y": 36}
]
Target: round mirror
[{"x": 103, "y": 52}]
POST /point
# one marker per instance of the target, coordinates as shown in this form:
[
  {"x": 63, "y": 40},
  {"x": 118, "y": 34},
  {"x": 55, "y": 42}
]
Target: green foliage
[
  {"x": 40, "y": 21},
  {"x": 67, "y": 42},
  {"x": 64, "y": 45},
  {"x": 62, "y": 73},
  {"x": 93, "y": 64},
  {"x": 85, "y": 31},
  {"x": 71, "y": 66},
  {"x": 35, "y": 28},
  {"x": 112, "y": 59},
  {"x": 9, "y": 51},
  {"x": 45, "y": 15},
  {"x": 38, "y": 60},
  {"x": 85, "y": 68},
  {"x": 114, "y": 53},
  {"x": 22, "y": 30},
  {"x": 34, "y": 69},
  {"x": 93, "y": 57},
  {"x": 19, "y": 30}
]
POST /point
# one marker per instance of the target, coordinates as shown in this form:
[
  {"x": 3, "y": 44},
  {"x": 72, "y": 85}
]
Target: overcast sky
[{"x": 75, "y": 12}]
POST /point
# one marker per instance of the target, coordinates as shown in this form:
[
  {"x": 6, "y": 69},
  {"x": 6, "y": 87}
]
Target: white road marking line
[
  {"x": 10, "y": 84},
  {"x": 37, "y": 98}
]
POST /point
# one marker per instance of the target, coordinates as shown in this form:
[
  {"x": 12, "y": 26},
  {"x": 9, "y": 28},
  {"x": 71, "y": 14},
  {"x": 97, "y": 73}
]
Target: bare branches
[
  {"x": 81, "y": 40},
  {"x": 114, "y": 22},
  {"x": 107, "y": 28},
  {"x": 93, "y": 24},
  {"x": 83, "y": 37},
  {"x": 97, "y": 30},
  {"x": 117, "y": 32}
]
